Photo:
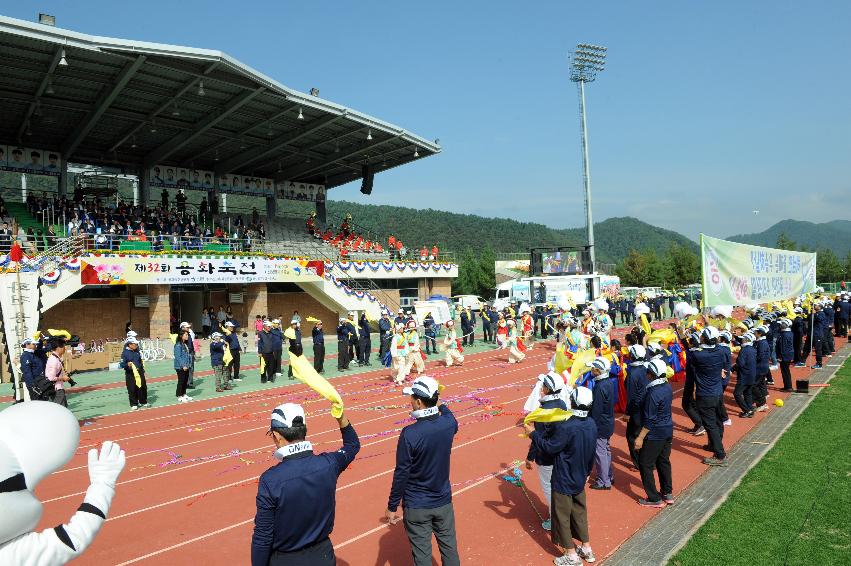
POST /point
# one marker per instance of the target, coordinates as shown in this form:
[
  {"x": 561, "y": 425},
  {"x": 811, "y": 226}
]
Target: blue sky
[{"x": 706, "y": 111}]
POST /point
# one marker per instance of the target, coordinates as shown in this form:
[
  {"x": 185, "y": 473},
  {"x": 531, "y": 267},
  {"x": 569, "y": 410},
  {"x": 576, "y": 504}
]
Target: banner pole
[{"x": 702, "y": 275}]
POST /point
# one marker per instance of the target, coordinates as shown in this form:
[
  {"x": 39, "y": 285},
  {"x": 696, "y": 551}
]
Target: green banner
[{"x": 741, "y": 274}]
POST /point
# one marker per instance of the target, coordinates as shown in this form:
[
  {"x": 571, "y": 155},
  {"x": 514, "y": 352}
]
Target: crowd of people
[
  {"x": 347, "y": 241},
  {"x": 108, "y": 224}
]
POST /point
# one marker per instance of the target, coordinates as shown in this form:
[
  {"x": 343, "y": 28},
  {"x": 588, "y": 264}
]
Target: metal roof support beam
[
  {"x": 40, "y": 91},
  {"x": 202, "y": 126},
  {"x": 240, "y": 133},
  {"x": 293, "y": 173},
  {"x": 250, "y": 156},
  {"x": 183, "y": 90},
  {"x": 103, "y": 102}
]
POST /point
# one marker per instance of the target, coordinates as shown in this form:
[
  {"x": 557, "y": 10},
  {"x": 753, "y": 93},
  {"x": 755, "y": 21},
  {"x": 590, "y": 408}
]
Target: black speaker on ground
[{"x": 366, "y": 184}]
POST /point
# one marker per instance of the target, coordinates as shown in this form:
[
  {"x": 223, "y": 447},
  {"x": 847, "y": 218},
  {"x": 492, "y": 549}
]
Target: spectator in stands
[
  {"x": 164, "y": 199},
  {"x": 434, "y": 251},
  {"x": 5, "y": 238},
  {"x": 255, "y": 216},
  {"x": 423, "y": 253},
  {"x": 401, "y": 251},
  {"x": 391, "y": 245},
  {"x": 202, "y": 210}
]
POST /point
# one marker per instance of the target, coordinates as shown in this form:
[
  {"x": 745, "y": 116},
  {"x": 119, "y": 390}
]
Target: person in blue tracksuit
[
  {"x": 364, "y": 340},
  {"x": 843, "y": 315},
  {"x": 572, "y": 445},
  {"x": 217, "y": 362},
  {"x": 818, "y": 323},
  {"x": 745, "y": 369},
  {"x": 635, "y": 384},
  {"x": 296, "y": 500},
  {"x": 32, "y": 366},
  {"x": 385, "y": 335},
  {"x": 318, "y": 347},
  {"x": 294, "y": 345},
  {"x": 465, "y": 327},
  {"x": 724, "y": 342},
  {"x": 763, "y": 371},
  {"x": 277, "y": 345},
  {"x": 785, "y": 347},
  {"x": 603, "y": 413},
  {"x": 232, "y": 339},
  {"x": 493, "y": 317},
  {"x": 343, "y": 359},
  {"x": 421, "y": 478},
  {"x": 137, "y": 394},
  {"x": 688, "y": 401},
  {"x": 798, "y": 332},
  {"x": 709, "y": 363},
  {"x": 430, "y": 330},
  {"x": 551, "y": 386},
  {"x": 183, "y": 364},
  {"x": 830, "y": 321},
  {"x": 654, "y": 441},
  {"x": 266, "y": 341}
]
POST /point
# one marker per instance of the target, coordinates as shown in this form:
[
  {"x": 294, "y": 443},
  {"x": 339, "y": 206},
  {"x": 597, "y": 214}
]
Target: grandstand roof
[{"x": 134, "y": 104}]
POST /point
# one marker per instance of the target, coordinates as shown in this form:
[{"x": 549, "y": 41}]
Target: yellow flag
[
  {"x": 59, "y": 333},
  {"x": 262, "y": 366},
  {"x": 541, "y": 415},
  {"x": 645, "y": 326},
  {"x": 304, "y": 372},
  {"x": 228, "y": 357},
  {"x": 136, "y": 375},
  {"x": 312, "y": 319},
  {"x": 663, "y": 336}
]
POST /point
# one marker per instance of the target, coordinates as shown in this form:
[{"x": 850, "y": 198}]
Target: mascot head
[{"x": 36, "y": 439}]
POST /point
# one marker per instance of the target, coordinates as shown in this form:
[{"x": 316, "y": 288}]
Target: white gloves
[{"x": 105, "y": 467}]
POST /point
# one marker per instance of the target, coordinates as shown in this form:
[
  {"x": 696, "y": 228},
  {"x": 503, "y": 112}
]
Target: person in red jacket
[{"x": 434, "y": 251}]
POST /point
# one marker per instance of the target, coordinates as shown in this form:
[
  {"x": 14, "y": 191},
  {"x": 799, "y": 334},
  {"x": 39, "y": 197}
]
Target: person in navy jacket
[
  {"x": 709, "y": 364},
  {"x": 763, "y": 373},
  {"x": 266, "y": 343},
  {"x": 231, "y": 336},
  {"x": 798, "y": 332},
  {"x": 689, "y": 401},
  {"x": 745, "y": 369},
  {"x": 785, "y": 347},
  {"x": 318, "y": 347},
  {"x": 385, "y": 335},
  {"x": 296, "y": 498},
  {"x": 818, "y": 327},
  {"x": 32, "y": 366},
  {"x": 294, "y": 345},
  {"x": 843, "y": 314},
  {"x": 217, "y": 362},
  {"x": 138, "y": 396},
  {"x": 364, "y": 340},
  {"x": 603, "y": 413},
  {"x": 572, "y": 444},
  {"x": 635, "y": 384},
  {"x": 551, "y": 386},
  {"x": 421, "y": 478},
  {"x": 654, "y": 440}
]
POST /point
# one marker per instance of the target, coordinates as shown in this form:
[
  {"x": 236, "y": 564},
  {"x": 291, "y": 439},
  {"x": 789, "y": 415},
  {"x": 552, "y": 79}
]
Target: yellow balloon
[{"x": 778, "y": 402}]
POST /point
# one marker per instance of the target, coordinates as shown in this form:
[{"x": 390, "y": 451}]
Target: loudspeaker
[{"x": 366, "y": 183}]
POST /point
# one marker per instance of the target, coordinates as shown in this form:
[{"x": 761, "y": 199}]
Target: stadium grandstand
[{"x": 145, "y": 182}]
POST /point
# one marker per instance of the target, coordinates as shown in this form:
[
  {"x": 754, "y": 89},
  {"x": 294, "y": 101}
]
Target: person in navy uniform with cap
[
  {"x": 654, "y": 440},
  {"x": 296, "y": 498},
  {"x": 709, "y": 363},
  {"x": 421, "y": 478}
]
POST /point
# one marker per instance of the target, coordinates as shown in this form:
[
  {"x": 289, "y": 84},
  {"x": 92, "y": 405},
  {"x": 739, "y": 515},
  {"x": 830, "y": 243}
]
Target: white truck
[{"x": 581, "y": 289}]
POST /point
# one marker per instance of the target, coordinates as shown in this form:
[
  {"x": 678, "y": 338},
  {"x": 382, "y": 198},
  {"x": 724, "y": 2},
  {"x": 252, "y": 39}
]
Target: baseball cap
[
  {"x": 711, "y": 333},
  {"x": 424, "y": 386},
  {"x": 748, "y": 337},
  {"x": 184, "y": 325},
  {"x": 600, "y": 363},
  {"x": 131, "y": 334},
  {"x": 267, "y": 323},
  {"x": 284, "y": 415},
  {"x": 27, "y": 341},
  {"x": 276, "y": 321},
  {"x": 229, "y": 323},
  {"x": 131, "y": 340},
  {"x": 216, "y": 335},
  {"x": 552, "y": 381}
]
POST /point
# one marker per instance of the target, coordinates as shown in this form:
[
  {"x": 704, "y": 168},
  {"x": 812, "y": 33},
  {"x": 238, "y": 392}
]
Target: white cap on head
[
  {"x": 284, "y": 415},
  {"x": 276, "y": 321},
  {"x": 424, "y": 386},
  {"x": 400, "y": 311},
  {"x": 267, "y": 323},
  {"x": 748, "y": 337},
  {"x": 582, "y": 397},
  {"x": 711, "y": 333},
  {"x": 599, "y": 363},
  {"x": 552, "y": 381},
  {"x": 27, "y": 341},
  {"x": 657, "y": 367},
  {"x": 131, "y": 340},
  {"x": 229, "y": 323},
  {"x": 215, "y": 335},
  {"x": 131, "y": 334},
  {"x": 637, "y": 351},
  {"x": 294, "y": 321}
]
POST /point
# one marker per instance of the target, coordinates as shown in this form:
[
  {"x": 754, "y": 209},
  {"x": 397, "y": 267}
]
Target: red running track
[{"x": 187, "y": 492}]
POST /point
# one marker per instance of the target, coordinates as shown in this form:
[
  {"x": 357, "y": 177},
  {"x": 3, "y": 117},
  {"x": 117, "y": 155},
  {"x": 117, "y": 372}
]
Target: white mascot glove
[{"x": 105, "y": 467}]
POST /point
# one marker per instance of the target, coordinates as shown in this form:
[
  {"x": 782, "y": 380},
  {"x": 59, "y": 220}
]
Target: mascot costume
[{"x": 37, "y": 439}]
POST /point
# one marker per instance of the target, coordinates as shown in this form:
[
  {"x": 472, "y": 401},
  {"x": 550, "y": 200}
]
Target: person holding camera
[{"x": 55, "y": 372}]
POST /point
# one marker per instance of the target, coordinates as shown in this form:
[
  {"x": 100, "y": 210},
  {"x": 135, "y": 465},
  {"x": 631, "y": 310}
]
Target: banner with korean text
[
  {"x": 740, "y": 274},
  {"x": 175, "y": 271}
]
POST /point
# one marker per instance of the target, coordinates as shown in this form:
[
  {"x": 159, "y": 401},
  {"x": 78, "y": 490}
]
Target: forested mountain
[{"x": 834, "y": 235}]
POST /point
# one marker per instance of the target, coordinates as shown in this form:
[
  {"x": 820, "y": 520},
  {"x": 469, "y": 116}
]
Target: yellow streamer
[
  {"x": 645, "y": 326},
  {"x": 136, "y": 375},
  {"x": 304, "y": 372},
  {"x": 541, "y": 415},
  {"x": 227, "y": 358}
]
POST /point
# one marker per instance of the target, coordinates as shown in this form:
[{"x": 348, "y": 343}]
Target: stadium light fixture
[
  {"x": 133, "y": 145},
  {"x": 49, "y": 89},
  {"x": 201, "y": 91},
  {"x": 241, "y": 143},
  {"x": 416, "y": 151},
  {"x": 314, "y": 92},
  {"x": 176, "y": 110},
  {"x": 280, "y": 167},
  {"x": 587, "y": 61},
  {"x": 369, "y": 134},
  {"x": 153, "y": 126},
  {"x": 269, "y": 132},
  {"x": 217, "y": 155},
  {"x": 29, "y": 131},
  {"x": 300, "y": 115},
  {"x": 63, "y": 61},
  {"x": 47, "y": 20},
  {"x": 337, "y": 146}
]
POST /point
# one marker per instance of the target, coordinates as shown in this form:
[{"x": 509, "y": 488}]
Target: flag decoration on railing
[
  {"x": 51, "y": 278},
  {"x": 388, "y": 266},
  {"x": 72, "y": 264}
]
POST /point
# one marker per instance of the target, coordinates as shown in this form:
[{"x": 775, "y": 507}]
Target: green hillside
[
  {"x": 834, "y": 235},
  {"x": 453, "y": 231}
]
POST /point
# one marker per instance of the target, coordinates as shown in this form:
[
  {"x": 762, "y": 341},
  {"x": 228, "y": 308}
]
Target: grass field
[{"x": 793, "y": 507}]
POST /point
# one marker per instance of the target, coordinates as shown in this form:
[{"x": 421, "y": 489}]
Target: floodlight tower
[{"x": 588, "y": 60}]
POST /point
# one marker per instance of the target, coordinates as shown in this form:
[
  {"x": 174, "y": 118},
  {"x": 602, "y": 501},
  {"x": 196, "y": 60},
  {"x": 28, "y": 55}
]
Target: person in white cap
[
  {"x": 399, "y": 354},
  {"x": 343, "y": 359},
  {"x": 296, "y": 498},
  {"x": 217, "y": 354},
  {"x": 131, "y": 362},
  {"x": 636, "y": 385},
  {"x": 231, "y": 336},
  {"x": 421, "y": 478},
  {"x": 708, "y": 364},
  {"x": 654, "y": 440},
  {"x": 266, "y": 349},
  {"x": 453, "y": 355},
  {"x": 32, "y": 368},
  {"x": 572, "y": 446},
  {"x": 187, "y": 326},
  {"x": 603, "y": 413},
  {"x": 551, "y": 386}
]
